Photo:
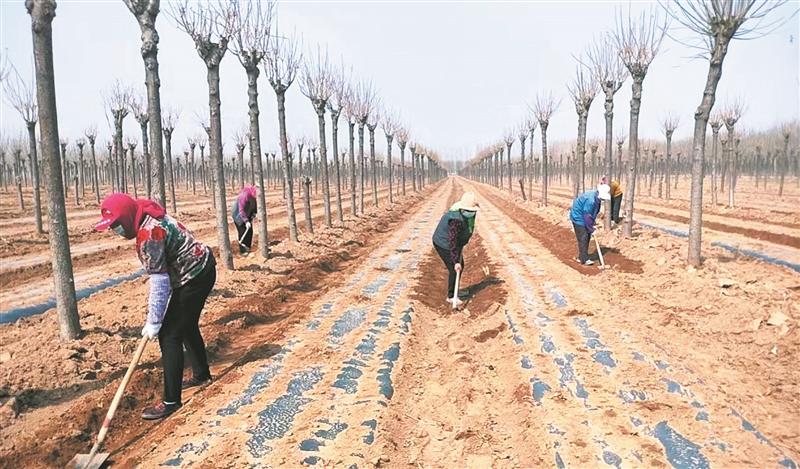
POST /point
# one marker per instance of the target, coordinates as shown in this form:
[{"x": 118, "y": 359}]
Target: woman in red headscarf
[
  {"x": 243, "y": 211},
  {"x": 182, "y": 273}
]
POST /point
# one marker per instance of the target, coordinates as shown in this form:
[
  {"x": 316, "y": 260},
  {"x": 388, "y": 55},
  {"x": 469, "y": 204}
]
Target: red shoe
[{"x": 160, "y": 410}]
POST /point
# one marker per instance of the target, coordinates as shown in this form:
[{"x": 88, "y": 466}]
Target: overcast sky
[{"x": 459, "y": 74}]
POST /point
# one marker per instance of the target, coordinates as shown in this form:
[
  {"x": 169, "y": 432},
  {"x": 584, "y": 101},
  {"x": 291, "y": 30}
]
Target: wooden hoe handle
[{"x": 117, "y": 398}]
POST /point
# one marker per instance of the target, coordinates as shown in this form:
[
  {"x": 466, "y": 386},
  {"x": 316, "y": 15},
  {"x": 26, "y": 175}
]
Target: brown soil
[
  {"x": 784, "y": 239},
  {"x": 246, "y": 314},
  {"x": 555, "y": 237}
]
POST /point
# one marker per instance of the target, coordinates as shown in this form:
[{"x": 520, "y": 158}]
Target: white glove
[{"x": 151, "y": 331}]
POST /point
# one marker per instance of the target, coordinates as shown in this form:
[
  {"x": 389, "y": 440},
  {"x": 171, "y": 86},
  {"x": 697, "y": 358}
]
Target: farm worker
[
  {"x": 583, "y": 214},
  {"x": 182, "y": 272},
  {"x": 452, "y": 234},
  {"x": 616, "y": 201},
  {"x": 243, "y": 211}
]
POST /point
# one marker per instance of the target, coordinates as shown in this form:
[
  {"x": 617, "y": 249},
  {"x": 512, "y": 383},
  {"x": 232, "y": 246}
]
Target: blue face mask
[{"x": 119, "y": 230}]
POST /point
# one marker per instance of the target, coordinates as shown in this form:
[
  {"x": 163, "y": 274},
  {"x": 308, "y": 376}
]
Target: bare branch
[
  {"x": 20, "y": 94},
  {"x": 169, "y": 119},
  {"x": 209, "y": 23},
  {"x": 315, "y": 79},
  {"x": 544, "y": 107},
  {"x": 340, "y": 90},
  {"x": 638, "y": 42},
  {"x": 252, "y": 26},
  {"x": 606, "y": 65},
  {"x": 390, "y": 123},
  {"x": 282, "y": 61},
  {"x": 670, "y": 123},
  {"x": 583, "y": 89}
]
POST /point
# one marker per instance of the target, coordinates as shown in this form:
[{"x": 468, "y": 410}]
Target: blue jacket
[{"x": 584, "y": 210}]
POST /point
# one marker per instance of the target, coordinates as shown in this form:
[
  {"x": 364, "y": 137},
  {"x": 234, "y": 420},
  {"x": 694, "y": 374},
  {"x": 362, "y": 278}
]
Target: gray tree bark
[
  {"x": 215, "y": 144},
  {"x": 37, "y": 198},
  {"x": 633, "y": 154},
  {"x": 42, "y": 13}
]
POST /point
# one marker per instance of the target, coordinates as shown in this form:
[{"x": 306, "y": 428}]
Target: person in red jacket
[{"x": 182, "y": 273}]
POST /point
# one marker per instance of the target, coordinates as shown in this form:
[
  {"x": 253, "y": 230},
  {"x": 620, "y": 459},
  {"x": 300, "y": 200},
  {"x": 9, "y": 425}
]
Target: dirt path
[
  {"x": 610, "y": 395},
  {"x": 321, "y": 396}
]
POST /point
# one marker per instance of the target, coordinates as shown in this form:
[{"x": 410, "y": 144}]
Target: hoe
[{"x": 95, "y": 460}]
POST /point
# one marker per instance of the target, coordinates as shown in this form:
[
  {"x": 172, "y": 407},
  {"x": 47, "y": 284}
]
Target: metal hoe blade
[{"x": 86, "y": 461}]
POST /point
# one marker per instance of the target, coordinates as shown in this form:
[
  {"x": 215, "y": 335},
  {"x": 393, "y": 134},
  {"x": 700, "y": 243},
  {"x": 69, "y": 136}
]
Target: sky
[{"x": 460, "y": 74}]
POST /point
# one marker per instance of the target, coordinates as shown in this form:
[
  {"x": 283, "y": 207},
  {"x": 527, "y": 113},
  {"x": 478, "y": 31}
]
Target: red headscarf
[{"x": 121, "y": 209}]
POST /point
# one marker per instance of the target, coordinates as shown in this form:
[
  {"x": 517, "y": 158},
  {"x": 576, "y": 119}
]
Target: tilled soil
[{"x": 361, "y": 363}]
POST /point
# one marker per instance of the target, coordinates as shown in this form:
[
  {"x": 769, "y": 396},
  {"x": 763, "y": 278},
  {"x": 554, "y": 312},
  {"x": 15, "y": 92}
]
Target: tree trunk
[
  {"x": 372, "y": 164},
  {"x": 307, "y": 203},
  {"x": 633, "y": 154},
  {"x": 701, "y": 116},
  {"x": 580, "y": 153},
  {"x": 389, "y": 164},
  {"x": 608, "y": 161},
  {"x": 215, "y": 151},
  {"x": 133, "y": 173},
  {"x": 714, "y": 166},
  {"x": 354, "y": 210},
  {"x": 148, "y": 188},
  {"x": 323, "y": 162},
  {"x": 287, "y": 165},
  {"x": 240, "y": 163},
  {"x": 37, "y": 200},
  {"x": 170, "y": 174},
  {"x": 545, "y": 163},
  {"x": 413, "y": 170},
  {"x": 255, "y": 157},
  {"x": 403, "y": 168},
  {"x": 361, "y": 165},
  {"x": 337, "y": 171},
  {"x": 42, "y": 13}
]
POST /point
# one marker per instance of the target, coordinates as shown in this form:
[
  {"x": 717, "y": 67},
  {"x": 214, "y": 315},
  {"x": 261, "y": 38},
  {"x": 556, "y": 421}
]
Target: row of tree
[
  {"x": 215, "y": 26},
  {"x": 628, "y": 51}
]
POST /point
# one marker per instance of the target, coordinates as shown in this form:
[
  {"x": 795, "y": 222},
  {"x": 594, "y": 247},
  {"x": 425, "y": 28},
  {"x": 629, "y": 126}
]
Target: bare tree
[
  {"x": 669, "y": 125},
  {"x": 730, "y": 115},
  {"x": 211, "y": 25},
  {"x": 543, "y": 110},
  {"x": 336, "y": 104},
  {"x": 252, "y": 40},
  {"x": 350, "y": 113},
  {"x": 42, "y": 13},
  {"x": 316, "y": 83},
  {"x": 118, "y": 100},
  {"x": 638, "y": 43},
  {"x": 372, "y": 124},
  {"x": 146, "y": 12},
  {"x": 610, "y": 73},
  {"x": 509, "y": 138},
  {"x": 714, "y": 23},
  {"x": 282, "y": 60},
  {"x": 715, "y": 120},
  {"x": 402, "y": 139},
  {"x": 21, "y": 96},
  {"x": 583, "y": 90},
  {"x": 91, "y": 136},
  {"x": 363, "y": 105},
  {"x": 170, "y": 119},
  {"x": 391, "y": 124},
  {"x": 139, "y": 109}
]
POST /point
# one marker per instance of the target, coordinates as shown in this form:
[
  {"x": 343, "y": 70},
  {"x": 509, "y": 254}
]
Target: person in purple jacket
[
  {"x": 583, "y": 214},
  {"x": 243, "y": 211}
]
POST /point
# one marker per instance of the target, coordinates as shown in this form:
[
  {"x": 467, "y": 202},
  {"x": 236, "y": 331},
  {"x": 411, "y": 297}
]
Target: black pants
[
  {"x": 181, "y": 328},
  {"x": 582, "y": 235},
  {"x": 616, "y": 203},
  {"x": 248, "y": 238},
  {"x": 451, "y": 268}
]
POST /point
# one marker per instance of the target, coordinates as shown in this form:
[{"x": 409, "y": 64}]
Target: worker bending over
[
  {"x": 453, "y": 232},
  {"x": 583, "y": 215}
]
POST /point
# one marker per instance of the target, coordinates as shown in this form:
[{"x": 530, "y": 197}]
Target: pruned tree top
[
  {"x": 582, "y": 89},
  {"x": 118, "y": 99},
  {"x": 316, "y": 81},
  {"x": 374, "y": 117},
  {"x": 80, "y": 143},
  {"x": 715, "y": 120},
  {"x": 639, "y": 40},
  {"x": 606, "y": 65},
  {"x": 209, "y": 23},
  {"x": 670, "y": 123},
  {"x": 390, "y": 123},
  {"x": 281, "y": 62},
  {"x": 544, "y": 107},
  {"x": 402, "y": 136},
  {"x": 363, "y": 101},
  {"x": 252, "y": 27},
  {"x": 621, "y": 137},
  {"x": 169, "y": 119},
  {"x": 340, "y": 90},
  {"x": 711, "y": 20},
  {"x": 138, "y": 105},
  {"x": 509, "y": 138},
  {"x": 91, "y": 133},
  {"x": 731, "y": 113},
  {"x": 19, "y": 94},
  {"x": 130, "y": 141},
  {"x": 241, "y": 136}
]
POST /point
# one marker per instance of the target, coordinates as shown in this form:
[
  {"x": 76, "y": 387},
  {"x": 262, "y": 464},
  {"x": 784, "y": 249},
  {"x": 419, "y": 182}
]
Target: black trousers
[
  {"x": 582, "y": 236},
  {"x": 616, "y": 204},
  {"x": 248, "y": 238},
  {"x": 181, "y": 328},
  {"x": 444, "y": 254}
]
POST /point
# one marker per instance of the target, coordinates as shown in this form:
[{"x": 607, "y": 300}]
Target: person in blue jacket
[
  {"x": 451, "y": 235},
  {"x": 583, "y": 214}
]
